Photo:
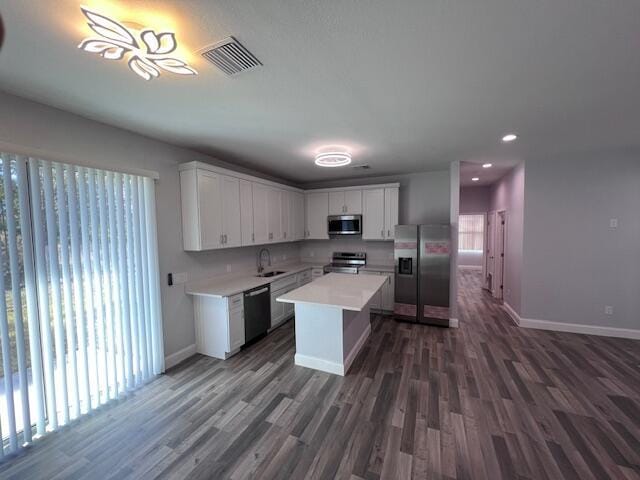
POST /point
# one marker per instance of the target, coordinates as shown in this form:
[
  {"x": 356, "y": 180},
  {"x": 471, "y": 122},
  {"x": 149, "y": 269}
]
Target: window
[
  {"x": 80, "y": 320},
  {"x": 471, "y": 233}
]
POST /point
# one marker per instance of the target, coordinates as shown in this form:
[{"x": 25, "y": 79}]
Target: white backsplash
[
  {"x": 378, "y": 253},
  {"x": 241, "y": 259}
]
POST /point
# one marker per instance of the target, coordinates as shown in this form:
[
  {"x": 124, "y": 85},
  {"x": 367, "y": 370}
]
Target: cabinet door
[
  {"x": 300, "y": 223},
  {"x": 285, "y": 214},
  {"x": 376, "y": 301},
  {"x": 390, "y": 212},
  {"x": 260, "y": 224},
  {"x": 273, "y": 215},
  {"x": 230, "y": 199},
  {"x": 209, "y": 211},
  {"x": 388, "y": 293},
  {"x": 353, "y": 202},
  {"x": 317, "y": 212},
  {"x": 373, "y": 214},
  {"x": 246, "y": 212},
  {"x": 236, "y": 329},
  {"x": 294, "y": 216},
  {"x": 336, "y": 203}
]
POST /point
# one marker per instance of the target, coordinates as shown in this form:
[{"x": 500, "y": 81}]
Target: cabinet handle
[
  {"x": 285, "y": 234},
  {"x": 225, "y": 239},
  {"x": 253, "y": 237},
  {"x": 388, "y": 233},
  {"x": 221, "y": 239},
  {"x": 382, "y": 233}
]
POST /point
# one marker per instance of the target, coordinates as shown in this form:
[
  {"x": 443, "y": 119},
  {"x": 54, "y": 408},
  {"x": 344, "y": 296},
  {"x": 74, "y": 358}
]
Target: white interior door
[
  {"x": 501, "y": 224},
  {"x": 489, "y": 257}
]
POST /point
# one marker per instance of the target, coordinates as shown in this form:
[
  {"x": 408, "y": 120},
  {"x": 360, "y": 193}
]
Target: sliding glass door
[{"x": 80, "y": 320}]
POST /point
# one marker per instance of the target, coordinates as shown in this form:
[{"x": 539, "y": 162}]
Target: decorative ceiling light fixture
[
  {"x": 509, "y": 137},
  {"x": 147, "y": 56},
  {"x": 487, "y": 165},
  {"x": 333, "y": 159},
  {"x": 475, "y": 179}
]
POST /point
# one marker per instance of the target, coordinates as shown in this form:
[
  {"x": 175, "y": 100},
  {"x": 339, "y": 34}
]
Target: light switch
[
  {"x": 613, "y": 223},
  {"x": 608, "y": 310}
]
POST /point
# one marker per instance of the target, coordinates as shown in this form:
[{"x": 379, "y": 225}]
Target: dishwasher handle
[{"x": 253, "y": 293}]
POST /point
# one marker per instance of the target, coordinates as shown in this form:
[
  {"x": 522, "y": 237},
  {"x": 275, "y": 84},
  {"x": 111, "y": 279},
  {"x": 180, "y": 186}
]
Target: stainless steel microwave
[{"x": 345, "y": 224}]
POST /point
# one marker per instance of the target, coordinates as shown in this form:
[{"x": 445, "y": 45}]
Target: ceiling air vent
[
  {"x": 361, "y": 167},
  {"x": 230, "y": 56}
]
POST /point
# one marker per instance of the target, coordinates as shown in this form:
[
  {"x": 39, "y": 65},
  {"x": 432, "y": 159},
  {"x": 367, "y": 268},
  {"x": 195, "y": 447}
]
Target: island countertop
[{"x": 340, "y": 290}]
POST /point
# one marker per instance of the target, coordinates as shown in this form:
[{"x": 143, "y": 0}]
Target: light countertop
[
  {"x": 341, "y": 290},
  {"x": 227, "y": 285}
]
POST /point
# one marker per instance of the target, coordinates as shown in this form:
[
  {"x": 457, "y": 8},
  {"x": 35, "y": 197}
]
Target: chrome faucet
[{"x": 260, "y": 267}]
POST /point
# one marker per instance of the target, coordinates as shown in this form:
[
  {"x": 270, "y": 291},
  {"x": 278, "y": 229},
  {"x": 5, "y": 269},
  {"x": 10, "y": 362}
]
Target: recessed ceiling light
[
  {"x": 487, "y": 165},
  {"x": 147, "y": 51},
  {"x": 333, "y": 159},
  {"x": 509, "y": 137},
  {"x": 475, "y": 179}
]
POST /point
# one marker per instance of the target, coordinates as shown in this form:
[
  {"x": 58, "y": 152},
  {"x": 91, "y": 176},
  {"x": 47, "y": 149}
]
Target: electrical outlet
[
  {"x": 613, "y": 223},
  {"x": 608, "y": 310},
  {"x": 180, "y": 278}
]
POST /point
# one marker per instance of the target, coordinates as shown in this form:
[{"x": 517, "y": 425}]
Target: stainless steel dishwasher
[{"x": 257, "y": 313}]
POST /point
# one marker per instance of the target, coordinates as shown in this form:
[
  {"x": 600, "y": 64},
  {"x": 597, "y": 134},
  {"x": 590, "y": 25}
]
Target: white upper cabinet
[
  {"x": 285, "y": 215},
  {"x": 317, "y": 210},
  {"x": 246, "y": 213},
  {"x": 221, "y": 209},
  {"x": 201, "y": 210},
  {"x": 230, "y": 202},
  {"x": 390, "y": 211},
  {"x": 336, "y": 203},
  {"x": 260, "y": 223},
  {"x": 347, "y": 202},
  {"x": 274, "y": 216},
  {"x": 373, "y": 227}
]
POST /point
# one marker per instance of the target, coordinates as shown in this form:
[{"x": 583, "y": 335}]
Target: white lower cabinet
[
  {"x": 384, "y": 299},
  {"x": 219, "y": 325},
  {"x": 282, "y": 311},
  {"x": 316, "y": 272}
]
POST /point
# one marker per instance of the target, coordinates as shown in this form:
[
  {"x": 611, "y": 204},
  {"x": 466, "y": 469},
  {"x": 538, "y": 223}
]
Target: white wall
[
  {"x": 509, "y": 194},
  {"x": 574, "y": 263},
  {"x": 65, "y": 136}
]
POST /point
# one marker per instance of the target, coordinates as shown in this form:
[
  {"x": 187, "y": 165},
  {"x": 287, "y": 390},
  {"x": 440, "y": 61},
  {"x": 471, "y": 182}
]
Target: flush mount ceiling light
[
  {"x": 148, "y": 55},
  {"x": 333, "y": 159},
  {"x": 509, "y": 137},
  {"x": 487, "y": 165},
  {"x": 475, "y": 179}
]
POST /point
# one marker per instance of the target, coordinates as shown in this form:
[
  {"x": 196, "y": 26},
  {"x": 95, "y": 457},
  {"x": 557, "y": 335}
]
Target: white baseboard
[
  {"x": 454, "y": 323},
  {"x": 319, "y": 364},
  {"x": 356, "y": 348},
  {"x": 571, "y": 327},
  {"x": 180, "y": 355}
]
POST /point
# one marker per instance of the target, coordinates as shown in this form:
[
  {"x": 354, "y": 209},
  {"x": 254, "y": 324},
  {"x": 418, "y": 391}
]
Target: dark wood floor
[{"x": 486, "y": 401}]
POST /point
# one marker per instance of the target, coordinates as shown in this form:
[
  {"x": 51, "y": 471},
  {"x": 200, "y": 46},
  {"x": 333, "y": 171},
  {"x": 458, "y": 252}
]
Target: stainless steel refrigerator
[{"x": 422, "y": 259}]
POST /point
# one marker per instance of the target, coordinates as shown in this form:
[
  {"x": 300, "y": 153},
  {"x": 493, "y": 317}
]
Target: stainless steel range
[{"x": 346, "y": 262}]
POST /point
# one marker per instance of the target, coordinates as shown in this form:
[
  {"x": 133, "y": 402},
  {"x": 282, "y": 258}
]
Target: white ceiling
[{"x": 409, "y": 85}]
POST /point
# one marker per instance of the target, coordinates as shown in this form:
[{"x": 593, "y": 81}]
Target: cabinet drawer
[
  {"x": 304, "y": 277},
  {"x": 317, "y": 272}
]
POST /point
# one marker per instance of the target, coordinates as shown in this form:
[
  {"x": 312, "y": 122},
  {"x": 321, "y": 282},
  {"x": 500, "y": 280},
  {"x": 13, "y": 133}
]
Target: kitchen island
[{"x": 332, "y": 319}]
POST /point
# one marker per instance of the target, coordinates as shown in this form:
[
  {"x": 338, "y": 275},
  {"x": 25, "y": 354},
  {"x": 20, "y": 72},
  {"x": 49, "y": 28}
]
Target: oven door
[{"x": 345, "y": 225}]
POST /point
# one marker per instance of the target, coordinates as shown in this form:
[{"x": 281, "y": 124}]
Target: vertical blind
[
  {"x": 471, "y": 232},
  {"x": 80, "y": 319}
]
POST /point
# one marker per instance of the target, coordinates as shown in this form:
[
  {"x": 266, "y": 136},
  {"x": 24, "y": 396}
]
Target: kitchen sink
[{"x": 270, "y": 274}]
